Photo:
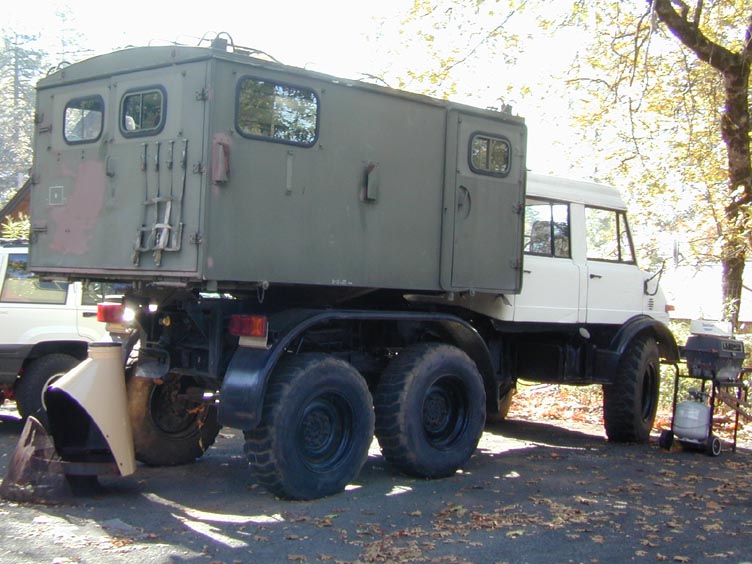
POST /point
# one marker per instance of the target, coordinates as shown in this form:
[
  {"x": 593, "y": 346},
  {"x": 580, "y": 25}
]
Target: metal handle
[{"x": 464, "y": 201}]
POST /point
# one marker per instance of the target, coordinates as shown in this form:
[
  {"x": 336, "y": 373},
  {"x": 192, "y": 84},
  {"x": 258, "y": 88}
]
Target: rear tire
[
  {"x": 631, "y": 400},
  {"x": 430, "y": 410},
  {"x": 169, "y": 430},
  {"x": 36, "y": 378},
  {"x": 316, "y": 428}
]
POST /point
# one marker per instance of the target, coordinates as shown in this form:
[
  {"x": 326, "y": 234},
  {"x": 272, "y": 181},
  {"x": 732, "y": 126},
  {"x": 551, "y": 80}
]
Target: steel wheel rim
[
  {"x": 324, "y": 433},
  {"x": 444, "y": 412},
  {"x": 171, "y": 414}
]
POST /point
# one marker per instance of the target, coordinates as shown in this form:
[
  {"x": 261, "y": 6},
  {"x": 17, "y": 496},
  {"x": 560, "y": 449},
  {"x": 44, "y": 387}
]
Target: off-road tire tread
[
  {"x": 28, "y": 389},
  {"x": 620, "y": 397},
  {"x": 259, "y": 446},
  {"x": 152, "y": 446},
  {"x": 391, "y": 413}
]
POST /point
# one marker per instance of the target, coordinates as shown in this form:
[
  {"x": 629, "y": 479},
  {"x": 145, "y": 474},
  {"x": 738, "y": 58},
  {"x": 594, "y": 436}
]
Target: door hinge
[
  {"x": 198, "y": 168},
  {"x": 202, "y": 95},
  {"x": 196, "y": 239}
]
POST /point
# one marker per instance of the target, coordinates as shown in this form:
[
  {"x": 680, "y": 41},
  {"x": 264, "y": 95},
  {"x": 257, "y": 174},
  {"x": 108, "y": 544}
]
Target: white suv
[{"x": 45, "y": 329}]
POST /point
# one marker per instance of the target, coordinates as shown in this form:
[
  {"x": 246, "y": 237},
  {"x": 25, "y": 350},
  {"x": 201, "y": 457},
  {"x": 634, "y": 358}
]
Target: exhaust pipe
[{"x": 89, "y": 433}]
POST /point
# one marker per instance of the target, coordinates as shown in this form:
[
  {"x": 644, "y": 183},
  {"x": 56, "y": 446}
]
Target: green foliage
[
  {"x": 16, "y": 228},
  {"x": 443, "y": 42},
  {"x": 20, "y": 67},
  {"x": 654, "y": 110}
]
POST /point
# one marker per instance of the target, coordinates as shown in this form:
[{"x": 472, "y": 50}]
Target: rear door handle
[
  {"x": 596, "y": 276},
  {"x": 89, "y": 314}
]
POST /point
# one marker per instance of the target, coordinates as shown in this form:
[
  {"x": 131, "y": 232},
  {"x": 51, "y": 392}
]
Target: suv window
[
  {"x": 608, "y": 236},
  {"x": 547, "y": 228},
  {"x": 21, "y": 286}
]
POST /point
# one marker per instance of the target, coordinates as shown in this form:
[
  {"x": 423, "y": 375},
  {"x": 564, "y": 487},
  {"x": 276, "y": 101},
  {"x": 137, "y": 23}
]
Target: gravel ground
[{"x": 534, "y": 492}]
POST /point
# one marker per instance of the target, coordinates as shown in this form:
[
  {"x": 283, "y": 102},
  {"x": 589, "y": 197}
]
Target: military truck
[{"x": 314, "y": 260}]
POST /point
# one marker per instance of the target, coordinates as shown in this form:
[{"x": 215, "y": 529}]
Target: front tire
[
  {"x": 168, "y": 429},
  {"x": 316, "y": 428},
  {"x": 36, "y": 378},
  {"x": 630, "y": 401},
  {"x": 430, "y": 410}
]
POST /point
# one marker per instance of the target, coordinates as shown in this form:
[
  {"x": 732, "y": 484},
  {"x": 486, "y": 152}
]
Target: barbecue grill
[{"x": 715, "y": 359}]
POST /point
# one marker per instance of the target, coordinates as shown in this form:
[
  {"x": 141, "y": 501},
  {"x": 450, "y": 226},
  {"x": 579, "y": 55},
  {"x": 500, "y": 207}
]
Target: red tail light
[
  {"x": 248, "y": 326},
  {"x": 110, "y": 313}
]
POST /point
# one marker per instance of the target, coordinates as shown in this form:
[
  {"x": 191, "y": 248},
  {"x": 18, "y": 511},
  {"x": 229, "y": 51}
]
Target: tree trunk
[
  {"x": 731, "y": 284},
  {"x": 735, "y": 130}
]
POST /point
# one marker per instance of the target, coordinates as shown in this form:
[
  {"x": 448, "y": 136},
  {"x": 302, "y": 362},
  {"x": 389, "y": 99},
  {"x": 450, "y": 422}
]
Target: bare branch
[{"x": 690, "y": 35}]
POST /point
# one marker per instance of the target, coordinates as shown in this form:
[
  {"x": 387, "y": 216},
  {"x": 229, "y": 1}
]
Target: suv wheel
[{"x": 35, "y": 379}]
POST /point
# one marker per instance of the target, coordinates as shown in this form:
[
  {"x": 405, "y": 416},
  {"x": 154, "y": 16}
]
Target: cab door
[
  {"x": 615, "y": 285},
  {"x": 482, "y": 247},
  {"x": 552, "y": 286}
]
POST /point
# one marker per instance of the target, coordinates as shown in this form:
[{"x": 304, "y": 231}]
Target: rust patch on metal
[{"x": 73, "y": 223}]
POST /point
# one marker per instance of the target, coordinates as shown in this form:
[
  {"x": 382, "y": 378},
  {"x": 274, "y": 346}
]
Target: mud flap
[{"x": 89, "y": 433}]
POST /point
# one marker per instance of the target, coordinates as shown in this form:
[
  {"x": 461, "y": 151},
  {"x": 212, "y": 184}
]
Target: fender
[
  {"x": 634, "y": 326},
  {"x": 244, "y": 384}
]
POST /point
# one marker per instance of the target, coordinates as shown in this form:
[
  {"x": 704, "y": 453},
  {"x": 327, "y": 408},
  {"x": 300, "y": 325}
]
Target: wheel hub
[
  {"x": 317, "y": 430},
  {"x": 324, "y": 432},
  {"x": 444, "y": 412}
]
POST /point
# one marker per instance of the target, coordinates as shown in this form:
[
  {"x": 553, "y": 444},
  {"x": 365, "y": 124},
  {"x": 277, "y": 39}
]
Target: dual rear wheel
[{"x": 319, "y": 420}]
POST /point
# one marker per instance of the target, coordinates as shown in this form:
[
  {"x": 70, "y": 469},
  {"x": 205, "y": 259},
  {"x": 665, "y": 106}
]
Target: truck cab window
[
  {"x": 277, "y": 112},
  {"x": 547, "y": 228},
  {"x": 608, "y": 236},
  {"x": 83, "y": 119},
  {"x": 489, "y": 155},
  {"x": 142, "y": 112}
]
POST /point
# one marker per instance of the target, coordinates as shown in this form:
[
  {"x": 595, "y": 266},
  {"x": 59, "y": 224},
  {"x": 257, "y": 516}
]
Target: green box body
[{"x": 384, "y": 194}]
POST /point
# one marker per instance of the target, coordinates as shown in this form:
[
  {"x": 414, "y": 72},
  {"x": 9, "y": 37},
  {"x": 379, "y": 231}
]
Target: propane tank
[{"x": 692, "y": 420}]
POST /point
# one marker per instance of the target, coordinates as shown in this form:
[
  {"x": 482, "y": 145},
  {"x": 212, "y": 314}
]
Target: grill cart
[{"x": 714, "y": 359}]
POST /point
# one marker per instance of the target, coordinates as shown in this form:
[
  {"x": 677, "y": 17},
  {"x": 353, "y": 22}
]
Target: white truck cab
[{"x": 579, "y": 261}]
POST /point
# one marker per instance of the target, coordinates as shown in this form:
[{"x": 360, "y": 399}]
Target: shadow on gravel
[{"x": 544, "y": 434}]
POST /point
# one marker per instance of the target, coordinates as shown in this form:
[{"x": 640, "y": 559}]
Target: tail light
[
  {"x": 110, "y": 313},
  {"x": 253, "y": 330}
]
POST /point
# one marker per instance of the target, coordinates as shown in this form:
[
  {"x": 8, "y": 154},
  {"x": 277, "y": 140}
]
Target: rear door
[
  {"x": 121, "y": 189},
  {"x": 552, "y": 288},
  {"x": 484, "y": 204}
]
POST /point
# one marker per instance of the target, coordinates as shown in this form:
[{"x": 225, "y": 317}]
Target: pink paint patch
[{"x": 74, "y": 221}]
